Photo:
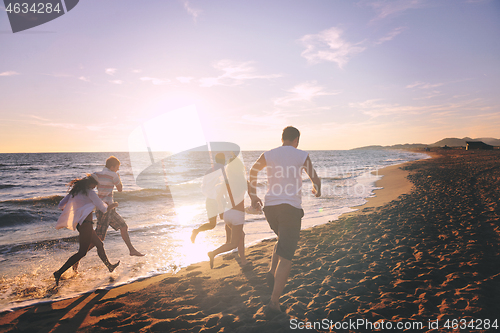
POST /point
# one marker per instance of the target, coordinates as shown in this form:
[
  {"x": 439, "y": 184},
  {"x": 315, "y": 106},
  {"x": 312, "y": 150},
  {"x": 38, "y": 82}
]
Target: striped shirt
[{"x": 107, "y": 181}]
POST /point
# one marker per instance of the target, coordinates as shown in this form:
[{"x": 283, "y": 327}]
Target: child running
[{"x": 77, "y": 209}]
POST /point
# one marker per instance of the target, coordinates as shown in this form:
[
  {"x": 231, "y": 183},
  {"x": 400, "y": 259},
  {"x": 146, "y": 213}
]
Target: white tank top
[{"x": 284, "y": 174}]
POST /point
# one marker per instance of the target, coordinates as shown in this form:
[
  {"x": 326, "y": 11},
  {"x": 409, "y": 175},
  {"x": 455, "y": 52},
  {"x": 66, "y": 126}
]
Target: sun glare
[
  {"x": 186, "y": 214},
  {"x": 167, "y": 134},
  {"x": 192, "y": 253},
  {"x": 174, "y": 131}
]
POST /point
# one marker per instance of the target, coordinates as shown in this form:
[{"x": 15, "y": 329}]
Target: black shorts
[{"x": 285, "y": 220}]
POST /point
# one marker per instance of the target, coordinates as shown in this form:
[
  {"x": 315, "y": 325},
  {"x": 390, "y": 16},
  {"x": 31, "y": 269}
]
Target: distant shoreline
[{"x": 454, "y": 143}]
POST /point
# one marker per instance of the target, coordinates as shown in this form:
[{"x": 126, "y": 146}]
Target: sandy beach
[{"x": 421, "y": 255}]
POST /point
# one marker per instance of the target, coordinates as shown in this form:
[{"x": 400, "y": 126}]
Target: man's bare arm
[
  {"x": 308, "y": 166},
  {"x": 252, "y": 183}
]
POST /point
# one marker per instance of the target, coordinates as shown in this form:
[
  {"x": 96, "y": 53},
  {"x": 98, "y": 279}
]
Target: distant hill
[
  {"x": 450, "y": 142},
  {"x": 454, "y": 142}
]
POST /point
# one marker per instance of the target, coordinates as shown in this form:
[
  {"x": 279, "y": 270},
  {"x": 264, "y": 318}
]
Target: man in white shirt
[{"x": 283, "y": 204}]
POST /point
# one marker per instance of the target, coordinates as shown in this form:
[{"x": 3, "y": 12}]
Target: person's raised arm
[
  {"x": 252, "y": 183},
  {"x": 308, "y": 166}
]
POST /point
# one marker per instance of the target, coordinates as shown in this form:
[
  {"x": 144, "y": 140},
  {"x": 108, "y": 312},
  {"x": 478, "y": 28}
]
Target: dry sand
[{"x": 432, "y": 254}]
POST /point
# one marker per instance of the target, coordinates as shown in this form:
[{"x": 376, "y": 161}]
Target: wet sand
[{"x": 422, "y": 251}]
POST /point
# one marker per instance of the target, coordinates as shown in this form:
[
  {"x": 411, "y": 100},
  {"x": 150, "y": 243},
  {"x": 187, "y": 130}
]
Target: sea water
[{"x": 160, "y": 220}]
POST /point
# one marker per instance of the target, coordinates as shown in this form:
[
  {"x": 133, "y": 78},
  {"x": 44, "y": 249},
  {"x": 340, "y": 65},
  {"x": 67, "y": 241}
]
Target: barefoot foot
[
  {"x": 212, "y": 257},
  {"x": 136, "y": 253},
  {"x": 57, "y": 276},
  {"x": 274, "y": 307},
  {"x": 193, "y": 236},
  {"x": 112, "y": 267}
]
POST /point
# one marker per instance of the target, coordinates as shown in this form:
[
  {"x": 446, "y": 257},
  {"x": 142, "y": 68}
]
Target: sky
[{"x": 345, "y": 73}]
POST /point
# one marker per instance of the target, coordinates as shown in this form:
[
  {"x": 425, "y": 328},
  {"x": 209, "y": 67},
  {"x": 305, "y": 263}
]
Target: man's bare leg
[
  {"x": 126, "y": 239},
  {"x": 272, "y": 270},
  {"x": 280, "y": 278}
]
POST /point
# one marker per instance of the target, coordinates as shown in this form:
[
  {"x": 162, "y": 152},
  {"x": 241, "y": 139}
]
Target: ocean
[{"x": 160, "y": 219}]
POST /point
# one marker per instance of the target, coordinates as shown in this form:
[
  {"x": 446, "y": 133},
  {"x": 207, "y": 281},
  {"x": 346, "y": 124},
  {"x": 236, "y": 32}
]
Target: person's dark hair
[
  {"x": 81, "y": 185},
  {"x": 220, "y": 158},
  {"x": 290, "y": 133},
  {"x": 112, "y": 161}
]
